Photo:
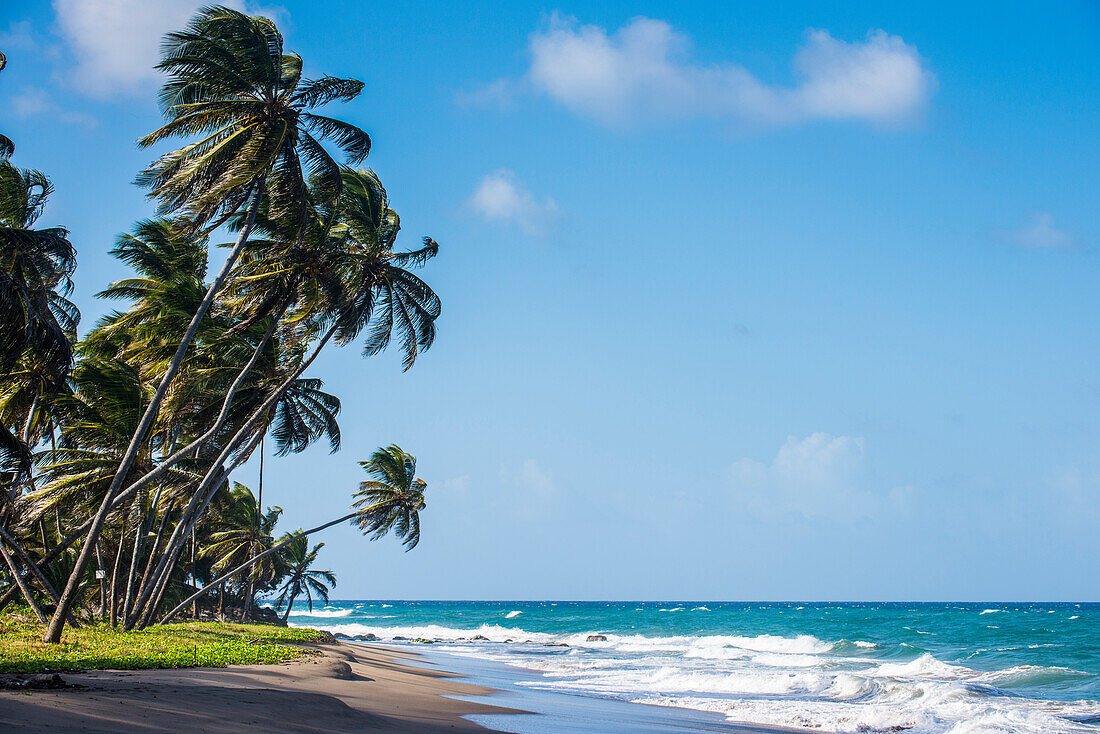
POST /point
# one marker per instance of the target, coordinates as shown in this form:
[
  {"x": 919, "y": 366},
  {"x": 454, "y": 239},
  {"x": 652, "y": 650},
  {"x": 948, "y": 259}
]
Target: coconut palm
[
  {"x": 7, "y": 148},
  {"x": 377, "y": 293},
  {"x": 36, "y": 274},
  {"x": 230, "y": 81},
  {"x": 390, "y": 500},
  {"x": 301, "y": 576},
  {"x": 245, "y": 532},
  {"x": 39, "y": 321}
]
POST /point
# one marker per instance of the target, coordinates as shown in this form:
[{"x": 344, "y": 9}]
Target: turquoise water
[{"x": 932, "y": 668}]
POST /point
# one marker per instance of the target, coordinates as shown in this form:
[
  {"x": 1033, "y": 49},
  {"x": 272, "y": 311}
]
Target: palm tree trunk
[
  {"x": 290, "y": 602},
  {"x": 29, "y": 563},
  {"x": 221, "y": 602},
  {"x": 259, "y": 520},
  {"x": 289, "y": 605},
  {"x": 30, "y": 421},
  {"x": 252, "y": 561},
  {"x": 68, "y": 596},
  {"x": 139, "y": 535},
  {"x": 194, "y": 578},
  {"x": 114, "y": 577},
  {"x": 154, "y": 588},
  {"x": 246, "y": 615},
  {"x": 102, "y": 582},
  {"x": 208, "y": 487},
  {"x": 166, "y": 464},
  {"x": 21, "y": 583}
]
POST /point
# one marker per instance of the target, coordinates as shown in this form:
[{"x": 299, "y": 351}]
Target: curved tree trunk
[
  {"x": 113, "y": 596},
  {"x": 290, "y": 602},
  {"x": 207, "y": 487},
  {"x": 21, "y": 583},
  {"x": 153, "y": 590},
  {"x": 250, "y": 562},
  {"x": 68, "y": 596},
  {"x": 29, "y": 563},
  {"x": 161, "y": 469}
]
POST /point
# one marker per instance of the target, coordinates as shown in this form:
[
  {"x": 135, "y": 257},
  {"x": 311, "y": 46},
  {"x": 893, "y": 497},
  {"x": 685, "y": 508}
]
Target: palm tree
[
  {"x": 376, "y": 292},
  {"x": 230, "y": 81},
  {"x": 390, "y": 500},
  {"x": 245, "y": 533},
  {"x": 39, "y": 321},
  {"x": 7, "y": 148},
  {"x": 302, "y": 577}
]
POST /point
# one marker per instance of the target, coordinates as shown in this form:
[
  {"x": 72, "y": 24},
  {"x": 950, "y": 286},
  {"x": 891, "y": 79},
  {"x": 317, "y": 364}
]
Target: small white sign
[{"x": 101, "y": 574}]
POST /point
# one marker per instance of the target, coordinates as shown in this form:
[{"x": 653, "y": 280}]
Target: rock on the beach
[
  {"x": 42, "y": 681},
  {"x": 369, "y": 637},
  {"x": 480, "y": 637},
  {"x": 596, "y": 638},
  {"x": 399, "y": 637},
  {"x": 555, "y": 644}
]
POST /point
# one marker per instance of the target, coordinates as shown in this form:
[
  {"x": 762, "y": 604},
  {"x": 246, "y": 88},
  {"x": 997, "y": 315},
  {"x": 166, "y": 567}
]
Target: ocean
[{"x": 827, "y": 667}]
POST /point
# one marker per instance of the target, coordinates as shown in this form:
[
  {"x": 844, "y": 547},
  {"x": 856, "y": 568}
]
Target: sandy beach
[{"x": 345, "y": 688}]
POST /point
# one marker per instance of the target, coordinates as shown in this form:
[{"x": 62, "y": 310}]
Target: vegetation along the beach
[{"x": 120, "y": 508}]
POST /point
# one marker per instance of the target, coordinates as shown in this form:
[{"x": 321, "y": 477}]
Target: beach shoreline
[{"x": 342, "y": 688}]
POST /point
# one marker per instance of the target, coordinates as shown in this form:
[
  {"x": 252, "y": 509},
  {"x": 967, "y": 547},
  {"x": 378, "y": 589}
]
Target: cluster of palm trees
[{"x": 116, "y": 450}]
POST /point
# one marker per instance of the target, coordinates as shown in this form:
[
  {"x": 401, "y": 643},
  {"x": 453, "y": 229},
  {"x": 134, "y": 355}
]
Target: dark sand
[{"x": 345, "y": 689}]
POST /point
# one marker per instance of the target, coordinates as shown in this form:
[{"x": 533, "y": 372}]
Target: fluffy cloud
[
  {"x": 501, "y": 198},
  {"x": 643, "y": 73},
  {"x": 32, "y": 102},
  {"x": 819, "y": 476},
  {"x": 116, "y": 43},
  {"x": 1040, "y": 232}
]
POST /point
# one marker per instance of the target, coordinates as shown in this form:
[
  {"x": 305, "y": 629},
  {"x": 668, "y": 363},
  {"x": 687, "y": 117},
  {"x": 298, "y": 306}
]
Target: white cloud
[
  {"x": 116, "y": 43},
  {"x": 819, "y": 476},
  {"x": 531, "y": 490},
  {"x": 33, "y": 102},
  {"x": 501, "y": 198},
  {"x": 643, "y": 73},
  {"x": 1040, "y": 232}
]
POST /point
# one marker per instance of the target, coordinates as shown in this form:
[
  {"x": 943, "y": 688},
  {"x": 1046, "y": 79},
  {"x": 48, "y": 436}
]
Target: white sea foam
[
  {"x": 988, "y": 611},
  {"x": 320, "y": 613},
  {"x": 789, "y": 681}
]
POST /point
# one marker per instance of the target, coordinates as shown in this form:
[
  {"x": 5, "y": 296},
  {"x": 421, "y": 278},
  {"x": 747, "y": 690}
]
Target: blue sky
[{"x": 773, "y": 301}]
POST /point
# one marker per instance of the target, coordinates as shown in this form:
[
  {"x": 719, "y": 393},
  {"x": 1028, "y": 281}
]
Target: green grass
[{"x": 98, "y": 647}]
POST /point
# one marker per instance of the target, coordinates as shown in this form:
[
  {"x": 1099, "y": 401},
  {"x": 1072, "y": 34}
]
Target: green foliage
[
  {"x": 116, "y": 451},
  {"x": 392, "y": 498},
  {"x": 99, "y": 647}
]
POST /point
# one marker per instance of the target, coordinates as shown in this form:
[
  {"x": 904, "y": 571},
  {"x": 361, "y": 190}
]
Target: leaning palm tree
[
  {"x": 375, "y": 292},
  {"x": 302, "y": 577},
  {"x": 245, "y": 531},
  {"x": 35, "y": 278},
  {"x": 231, "y": 82},
  {"x": 391, "y": 499}
]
